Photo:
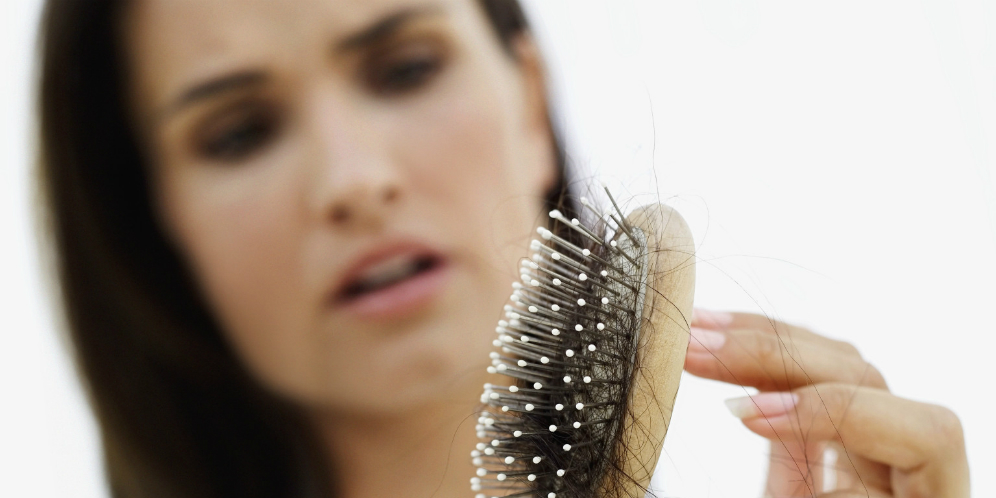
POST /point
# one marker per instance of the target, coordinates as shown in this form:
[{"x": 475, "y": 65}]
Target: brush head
[{"x": 592, "y": 346}]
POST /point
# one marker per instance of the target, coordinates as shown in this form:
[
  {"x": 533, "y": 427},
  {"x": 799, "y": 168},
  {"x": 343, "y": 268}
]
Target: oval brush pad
[{"x": 594, "y": 348}]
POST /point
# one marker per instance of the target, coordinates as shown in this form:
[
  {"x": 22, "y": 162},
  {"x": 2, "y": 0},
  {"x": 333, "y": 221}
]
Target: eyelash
[
  {"x": 242, "y": 132},
  {"x": 407, "y": 70}
]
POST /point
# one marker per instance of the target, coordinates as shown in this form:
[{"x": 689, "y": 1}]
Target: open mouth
[{"x": 387, "y": 275}]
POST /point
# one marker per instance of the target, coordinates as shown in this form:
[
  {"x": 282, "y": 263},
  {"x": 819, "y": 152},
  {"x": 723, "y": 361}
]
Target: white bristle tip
[
  {"x": 513, "y": 389},
  {"x": 581, "y": 302},
  {"x": 591, "y": 347},
  {"x": 587, "y": 379},
  {"x": 569, "y": 353},
  {"x": 529, "y": 407},
  {"x": 559, "y": 407},
  {"x": 537, "y": 386},
  {"x": 582, "y": 277},
  {"x": 585, "y": 252},
  {"x": 509, "y": 460},
  {"x": 553, "y": 428},
  {"x": 567, "y": 379},
  {"x": 579, "y": 406},
  {"x": 555, "y": 213}
]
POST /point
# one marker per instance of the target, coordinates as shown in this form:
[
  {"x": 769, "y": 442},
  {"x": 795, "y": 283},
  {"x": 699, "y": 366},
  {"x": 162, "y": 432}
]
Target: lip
[{"x": 397, "y": 300}]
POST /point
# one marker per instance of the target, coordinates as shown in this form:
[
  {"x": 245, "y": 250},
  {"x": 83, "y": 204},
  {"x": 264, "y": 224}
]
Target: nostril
[{"x": 340, "y": 214}]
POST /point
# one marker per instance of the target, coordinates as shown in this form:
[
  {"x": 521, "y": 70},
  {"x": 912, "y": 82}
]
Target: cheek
[
  {"x": 238, "y": 230},
  {"x": 471, "y": 150}
]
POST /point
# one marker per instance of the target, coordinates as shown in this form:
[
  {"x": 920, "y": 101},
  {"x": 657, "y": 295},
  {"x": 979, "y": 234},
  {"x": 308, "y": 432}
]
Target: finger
[
  {"x": 770, "y": 362},
  {"x": 801, "y": 467},
  {"x": 795, "y": 468},
  {"x": 923, "y": 442},
  {"x": 804, "y": 455},
  {"x": 725, "y": 320},
  {"x": 855, "y": 494}
]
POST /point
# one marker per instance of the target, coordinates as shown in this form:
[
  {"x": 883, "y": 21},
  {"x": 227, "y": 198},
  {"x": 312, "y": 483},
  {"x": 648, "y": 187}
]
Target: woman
[{"x": 285, "y": 231}]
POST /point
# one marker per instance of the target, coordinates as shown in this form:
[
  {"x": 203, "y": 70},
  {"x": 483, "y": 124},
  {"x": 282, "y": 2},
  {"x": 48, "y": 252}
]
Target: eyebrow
[
  {"x": 377, "y": 32},
  {"x": 385, "y": 27},
  {"x": 210, "y": 88}
]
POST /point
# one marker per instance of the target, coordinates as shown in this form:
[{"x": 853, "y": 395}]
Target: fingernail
[
  {"x": 711, "y": 319},
  {"x": 762, "y": 405},
  {"x": 705, "y": 341}
]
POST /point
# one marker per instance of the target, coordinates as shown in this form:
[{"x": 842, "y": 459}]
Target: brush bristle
[{"x": 568, "y": 343}]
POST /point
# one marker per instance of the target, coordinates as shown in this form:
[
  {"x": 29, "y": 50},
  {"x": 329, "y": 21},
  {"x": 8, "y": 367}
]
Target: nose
[{"x": 356, "y": 185}]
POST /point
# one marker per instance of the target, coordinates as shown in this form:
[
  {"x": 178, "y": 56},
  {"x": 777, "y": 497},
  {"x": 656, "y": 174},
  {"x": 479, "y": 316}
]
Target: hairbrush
[{"x": 590, "y": 348}]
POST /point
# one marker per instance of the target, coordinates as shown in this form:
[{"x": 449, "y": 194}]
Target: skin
[
  {"x": 818, "y": 393},
  {"x": 282, "y": 146},
  {"x": 339, "y": 156}
]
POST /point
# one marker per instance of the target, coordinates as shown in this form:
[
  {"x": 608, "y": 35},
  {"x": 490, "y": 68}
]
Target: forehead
[{"x": 171, "y": 43}]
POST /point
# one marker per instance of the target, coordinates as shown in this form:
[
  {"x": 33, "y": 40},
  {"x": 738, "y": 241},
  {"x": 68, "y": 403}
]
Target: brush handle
[{"x": 661, "y": 351}]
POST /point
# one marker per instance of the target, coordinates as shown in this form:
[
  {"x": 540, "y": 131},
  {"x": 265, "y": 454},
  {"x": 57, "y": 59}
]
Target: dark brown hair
[{"x": 178, "y": 414}]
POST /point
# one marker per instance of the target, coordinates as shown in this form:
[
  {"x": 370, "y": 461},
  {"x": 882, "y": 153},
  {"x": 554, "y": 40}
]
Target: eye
[
  {"x": 405, "y": 69},
  {"x": 237, "y": 132}
]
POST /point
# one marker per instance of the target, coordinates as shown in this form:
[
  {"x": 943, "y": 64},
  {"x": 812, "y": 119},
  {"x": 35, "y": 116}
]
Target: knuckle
[
  {"x": 870, "y": 376},
  {"x": 849, "y": 348},
  {"x": 766, "y": 348},
  {"x": 947, "y": 428}
]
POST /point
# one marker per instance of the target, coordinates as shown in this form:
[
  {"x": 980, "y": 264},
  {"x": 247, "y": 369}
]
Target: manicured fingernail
[
  {"x": 711, "y": 319},
  {"x": 763, "y": 404},
  {"x": 705, "y": 341}
]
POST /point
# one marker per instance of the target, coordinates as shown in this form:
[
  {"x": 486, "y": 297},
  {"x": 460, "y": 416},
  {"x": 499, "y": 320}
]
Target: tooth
[{"x": 388, "y": 271}]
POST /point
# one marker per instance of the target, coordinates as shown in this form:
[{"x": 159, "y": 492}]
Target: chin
[{"x": 424, "y": 375}]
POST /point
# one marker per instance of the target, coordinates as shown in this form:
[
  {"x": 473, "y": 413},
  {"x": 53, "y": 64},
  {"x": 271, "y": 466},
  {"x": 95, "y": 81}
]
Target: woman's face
[{"x": 351, "y": 181}]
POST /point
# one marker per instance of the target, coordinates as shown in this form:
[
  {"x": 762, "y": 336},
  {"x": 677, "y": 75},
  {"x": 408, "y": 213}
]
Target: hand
[{"x": 817, "y": 393}]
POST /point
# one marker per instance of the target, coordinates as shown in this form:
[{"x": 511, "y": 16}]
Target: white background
[{"x": 834, "y": 159}]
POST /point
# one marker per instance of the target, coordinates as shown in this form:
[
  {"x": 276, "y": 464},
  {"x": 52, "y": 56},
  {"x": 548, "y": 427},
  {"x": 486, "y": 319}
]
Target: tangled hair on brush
[{"x": 569, "y": 340}]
